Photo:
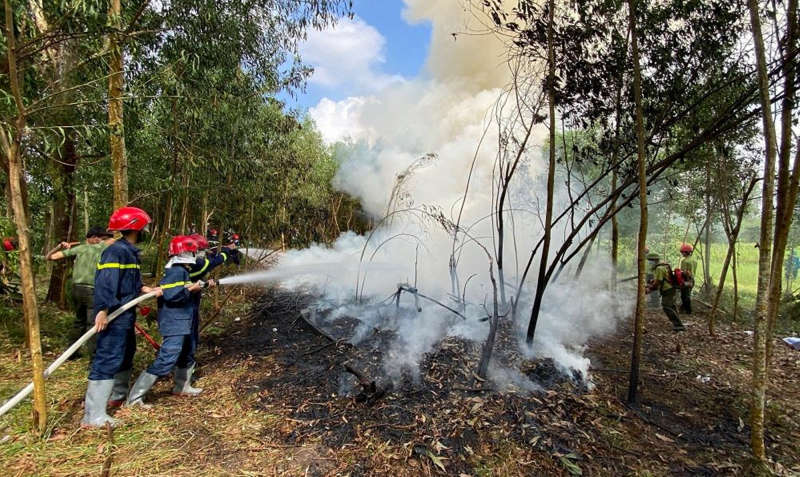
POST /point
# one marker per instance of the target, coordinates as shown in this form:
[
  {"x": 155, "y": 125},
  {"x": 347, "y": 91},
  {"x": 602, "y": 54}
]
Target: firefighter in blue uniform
[
  {"x": 174, "y": 324},
  {"x": 204, "y": 264},
  {"x": 118, "y": 280}
]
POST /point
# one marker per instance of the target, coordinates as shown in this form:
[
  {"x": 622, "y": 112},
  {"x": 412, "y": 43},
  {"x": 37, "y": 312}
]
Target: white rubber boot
[
  {"x": 97, "y": 395},
  {"x": 140, "y": 389},
  {"x": 183, "y": 383}
]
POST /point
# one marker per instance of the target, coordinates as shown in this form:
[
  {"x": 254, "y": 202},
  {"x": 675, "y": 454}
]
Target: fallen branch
[
  {"x": 317, "y": 350},
  {"x": 106, "y": 471},
  {"x": 219, "y": 310},
  {"x": 625, "y": 371},
  {"x": 371, "y": 391},
  {"x": 304, "y": 315},
  {"x": 472, "y": 390},
  {"x": 709, "y": 306},
  {"x": 416, "y": 293}
]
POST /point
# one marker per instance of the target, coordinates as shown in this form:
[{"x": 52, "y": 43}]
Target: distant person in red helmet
[
  {"x": 174, "y": 324},
  {"x": 117, "y": 281},
  {"x": 688, "y": 266},
  {"x": 9, "y": 244}
]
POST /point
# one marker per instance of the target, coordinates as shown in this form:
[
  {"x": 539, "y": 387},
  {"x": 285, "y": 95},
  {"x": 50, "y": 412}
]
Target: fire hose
[
  {"x": 66, "y": 354},
  {"x": 149, "y": 338}
]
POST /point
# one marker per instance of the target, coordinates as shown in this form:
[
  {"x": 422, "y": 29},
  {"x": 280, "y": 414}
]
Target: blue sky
[{"x": 361, "y": 56}]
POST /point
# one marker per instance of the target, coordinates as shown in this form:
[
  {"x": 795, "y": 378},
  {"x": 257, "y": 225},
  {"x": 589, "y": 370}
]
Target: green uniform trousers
[{"x": 668, "y": 304}]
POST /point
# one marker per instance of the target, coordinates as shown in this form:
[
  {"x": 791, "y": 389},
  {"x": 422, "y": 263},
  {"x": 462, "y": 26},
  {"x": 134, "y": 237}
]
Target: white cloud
[
  {"x": 348, "y": 57},
  {"x": 338, "y": 120}
]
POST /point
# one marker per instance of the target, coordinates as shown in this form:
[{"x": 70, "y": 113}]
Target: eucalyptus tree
[
  {"x": 774, "y": 225},
  {"x": 49, "y": 69},
  {"x": 254, "y": 35}
]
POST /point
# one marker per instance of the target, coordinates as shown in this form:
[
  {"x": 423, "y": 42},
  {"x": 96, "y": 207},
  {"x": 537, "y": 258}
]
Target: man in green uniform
[
  {"x": 86, "y": 258},
  {"x": 688, "y": 265},
  {"x": 661, "y": 283}
]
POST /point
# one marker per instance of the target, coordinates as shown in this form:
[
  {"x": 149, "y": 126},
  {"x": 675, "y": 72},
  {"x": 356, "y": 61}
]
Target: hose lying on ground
[{"x": 61, "y": 359}]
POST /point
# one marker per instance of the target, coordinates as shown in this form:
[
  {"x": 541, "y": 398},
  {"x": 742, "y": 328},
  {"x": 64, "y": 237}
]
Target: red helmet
[
  {"x": 128, "y": 218},
  {"x": 235, "y": 237},
  {"x": 202, "y": 243},
  {"x": 687, "y": 248},
  {"x": 8, "y": 245},
  {"x": 181, "y": 244}
]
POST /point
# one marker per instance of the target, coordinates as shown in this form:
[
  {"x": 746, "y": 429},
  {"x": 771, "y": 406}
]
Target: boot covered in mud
[
  {"x": 122, "y": 384},
  {"x": 183, "y": 383},
  {"x": 140, "y": 389},
  {"x": 94, "y": 412}
]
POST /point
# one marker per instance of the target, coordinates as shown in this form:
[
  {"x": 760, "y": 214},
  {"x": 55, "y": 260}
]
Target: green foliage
[{"x": 202, "y": 125}]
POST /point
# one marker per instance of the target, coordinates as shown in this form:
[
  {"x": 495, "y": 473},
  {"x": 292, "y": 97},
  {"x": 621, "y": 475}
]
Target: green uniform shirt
[
  {"x": 87, "y": 257},
  {"x": 689, "y": 264},
  {"x": 661, "y": 273}
]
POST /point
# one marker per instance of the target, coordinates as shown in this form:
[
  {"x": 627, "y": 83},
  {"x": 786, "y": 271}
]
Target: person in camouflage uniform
[
  {"x": 661, "y": 283},
  {"x": 687, "y": 265},
  {"x": 653, "y": 304}
]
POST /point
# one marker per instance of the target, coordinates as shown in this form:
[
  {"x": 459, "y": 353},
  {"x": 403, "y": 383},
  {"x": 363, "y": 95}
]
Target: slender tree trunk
[
  {"x": 85, "y": 209},
  {"x": 551, "y": 171},
  {"x": 584, "y": 258},
  {"x": 735, "y": 284},
  {"x": 638, "y": 329},
  {"x": 787, "y": 181},
  {"x": 614, "y": 238},
  {"x": 185, "y": 207},
  {"x": 782, "y": 227},
  {"x": 174, "y": 169},
  {"x": 16, "y": 173},
  {"x": 720, "y": 286},
  {"x": 732, "y": 238},
  {"x": 615, "y": 177},
  {"x": 486, "y": 355},
  {"x": 765, "y": 244},
  {"x": 708, "y": 283},
  {"x": 116, "y": 123},
  {"x": 63, "y": 175}
]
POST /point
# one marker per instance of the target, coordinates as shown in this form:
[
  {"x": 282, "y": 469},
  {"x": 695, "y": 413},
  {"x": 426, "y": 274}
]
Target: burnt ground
[{"x": 316, "y": 419}]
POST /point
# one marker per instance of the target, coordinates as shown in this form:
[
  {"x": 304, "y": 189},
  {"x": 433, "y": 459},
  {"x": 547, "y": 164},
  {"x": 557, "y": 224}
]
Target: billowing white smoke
[{"x": 447, "y": 113}]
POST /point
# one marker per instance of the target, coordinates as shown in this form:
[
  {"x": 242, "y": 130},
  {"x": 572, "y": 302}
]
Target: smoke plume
[{"x": 452, "y": 111}]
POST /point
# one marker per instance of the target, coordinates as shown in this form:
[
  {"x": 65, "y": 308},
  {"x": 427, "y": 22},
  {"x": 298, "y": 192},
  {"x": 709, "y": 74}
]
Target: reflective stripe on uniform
[
  {"x": 176, "y": 284},
  {"x": 200, "y": 272},
  {"x": 123, "y": 266},
  {"x": 224, "y": 257}
]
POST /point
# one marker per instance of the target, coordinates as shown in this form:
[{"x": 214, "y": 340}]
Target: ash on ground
[{"x": 451, "y": 364}]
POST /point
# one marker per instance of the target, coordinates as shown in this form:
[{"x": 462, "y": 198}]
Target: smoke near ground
[{"x": 451, "y": 112}]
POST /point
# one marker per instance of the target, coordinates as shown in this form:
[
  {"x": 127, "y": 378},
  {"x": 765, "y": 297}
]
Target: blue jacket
[
  {"x": 204, "y": 266},
  {"x": 118, "y": 280},
  {"x": 175, "y": 304}
]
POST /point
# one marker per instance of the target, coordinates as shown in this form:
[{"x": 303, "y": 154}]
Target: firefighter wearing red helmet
[
  {"x": 201, "y": 268},
  {"x": 174, "y": 324},
  {"x": 688, "y": 266},
  {"x": 118, "y": 280}
]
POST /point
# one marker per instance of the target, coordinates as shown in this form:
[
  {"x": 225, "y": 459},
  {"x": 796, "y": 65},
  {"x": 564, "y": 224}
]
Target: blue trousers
[
  {"x": 116, "y": 346},
  {"x": 175, "y": 350},
  {"x": 195, "y": 336}
]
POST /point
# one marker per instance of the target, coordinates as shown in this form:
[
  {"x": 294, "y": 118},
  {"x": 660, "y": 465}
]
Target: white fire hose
[{"x": 61, "y": 359}]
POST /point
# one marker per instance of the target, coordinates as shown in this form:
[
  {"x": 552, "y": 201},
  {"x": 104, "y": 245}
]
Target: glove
[{"x": 235, "y": 256}]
